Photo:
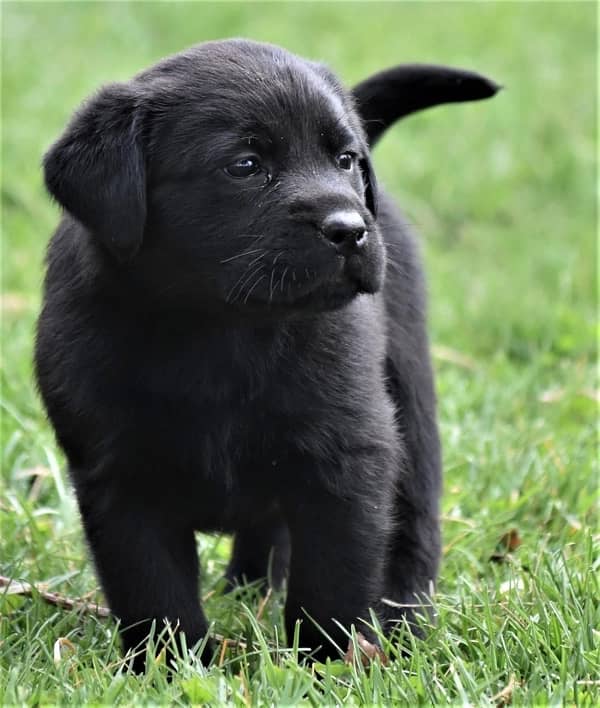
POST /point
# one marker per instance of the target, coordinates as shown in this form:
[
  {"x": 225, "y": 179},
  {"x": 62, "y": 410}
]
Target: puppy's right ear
[{"x": 96, "y": 170}]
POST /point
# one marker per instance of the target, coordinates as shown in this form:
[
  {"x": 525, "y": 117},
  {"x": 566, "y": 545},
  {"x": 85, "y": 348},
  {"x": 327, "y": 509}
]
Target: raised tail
[{"x": 394, "y": 93}]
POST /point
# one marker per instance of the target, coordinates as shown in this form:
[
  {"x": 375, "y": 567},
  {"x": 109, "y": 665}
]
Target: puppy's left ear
[
  {"x": 96, "y": 170},
  {"x": 368, "y": 175}
]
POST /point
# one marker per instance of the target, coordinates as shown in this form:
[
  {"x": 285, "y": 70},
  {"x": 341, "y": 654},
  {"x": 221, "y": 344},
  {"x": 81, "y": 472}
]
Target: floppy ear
[
  {"x": 385, "y": 97},
  {"x": 96, "y": 170},
  {"x": 370, "y": 183}
]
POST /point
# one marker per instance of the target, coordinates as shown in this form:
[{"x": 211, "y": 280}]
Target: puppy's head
[{"x": 232, "y": 175}]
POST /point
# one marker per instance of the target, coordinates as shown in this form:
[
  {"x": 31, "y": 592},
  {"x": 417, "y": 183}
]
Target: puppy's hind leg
[{"x": 261, "y": 551}]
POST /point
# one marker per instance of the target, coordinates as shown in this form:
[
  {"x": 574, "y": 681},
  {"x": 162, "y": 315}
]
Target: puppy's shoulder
[
  {"x": 404, "y": 289},
  {"x": 73, "y": 261}
]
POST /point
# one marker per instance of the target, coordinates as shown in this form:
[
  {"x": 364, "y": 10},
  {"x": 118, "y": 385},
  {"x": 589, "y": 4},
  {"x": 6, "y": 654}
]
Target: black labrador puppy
[{"x": 233, "y": 338}]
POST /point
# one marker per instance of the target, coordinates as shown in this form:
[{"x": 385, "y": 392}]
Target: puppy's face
[
  {"x": 258, "y": 189},
  {"x": 260, "y": 193}
]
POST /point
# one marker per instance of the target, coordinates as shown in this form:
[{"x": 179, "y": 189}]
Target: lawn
[{"x": 504, "y": 195}]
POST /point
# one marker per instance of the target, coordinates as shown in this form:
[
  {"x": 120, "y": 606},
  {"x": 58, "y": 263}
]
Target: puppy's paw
[{"x": 368, "y": 651}]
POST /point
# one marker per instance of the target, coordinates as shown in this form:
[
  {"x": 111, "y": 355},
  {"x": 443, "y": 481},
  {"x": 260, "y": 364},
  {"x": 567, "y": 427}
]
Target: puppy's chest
[
  {"x": 231, "y": 416},
  {"x": 234, "y": 408}
]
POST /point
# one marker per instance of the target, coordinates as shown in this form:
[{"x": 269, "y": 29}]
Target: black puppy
[{"x": 216, "y": 351}]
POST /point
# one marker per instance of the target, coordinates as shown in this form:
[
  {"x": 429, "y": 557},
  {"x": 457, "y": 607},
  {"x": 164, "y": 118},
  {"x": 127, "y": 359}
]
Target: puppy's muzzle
[{"x": 346, "y": 230}]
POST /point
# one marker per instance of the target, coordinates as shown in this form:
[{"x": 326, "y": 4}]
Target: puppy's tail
[{"x": 394, "y": 93}]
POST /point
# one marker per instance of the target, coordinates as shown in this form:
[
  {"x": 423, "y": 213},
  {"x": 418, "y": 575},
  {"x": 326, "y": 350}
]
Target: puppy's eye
[
  {"x": 244, "y": 167},
  {"x": 345, "y": 161}
]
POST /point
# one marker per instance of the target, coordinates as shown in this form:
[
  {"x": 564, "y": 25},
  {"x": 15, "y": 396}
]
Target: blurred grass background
[{"x": 504, "y": 195}]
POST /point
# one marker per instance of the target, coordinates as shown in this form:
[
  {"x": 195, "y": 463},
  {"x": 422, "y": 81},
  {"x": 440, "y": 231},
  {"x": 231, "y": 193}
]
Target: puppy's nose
[{"x": 345, "y": 229}]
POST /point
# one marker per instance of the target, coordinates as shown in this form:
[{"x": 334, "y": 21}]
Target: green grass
[{"x": 504, "y": 195}]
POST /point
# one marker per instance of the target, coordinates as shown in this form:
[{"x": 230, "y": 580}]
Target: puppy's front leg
[
  {"x": 148, "y": 567},
  {"x": 337, "y": 566}
]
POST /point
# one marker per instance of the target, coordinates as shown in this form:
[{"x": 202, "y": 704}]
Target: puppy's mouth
[
  {"x": 350, "y": 278},
  {"x": 354, "y": 271},
  {"x": 316, "y": 281}
]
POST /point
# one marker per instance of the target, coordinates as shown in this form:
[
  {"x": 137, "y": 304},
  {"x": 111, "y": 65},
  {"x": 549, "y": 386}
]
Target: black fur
[{"x": 213, "y": 357}]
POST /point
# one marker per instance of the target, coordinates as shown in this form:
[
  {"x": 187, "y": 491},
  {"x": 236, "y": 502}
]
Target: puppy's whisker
[
  {"x": 283, "y": 277},
  {"x": 247, "y": 279},
  {"x": 252, "y": 288},
  {"x": 278, "y": 285},
  {"x": 271, "y": 285},
  {"x": 252, "y": 262},
  {"x": 238, "y": 281},
  {"x": 241, "y": 255},
  {"x": 246, "y": 270},
  {"x": 249, "y": 282},
  {"x": 374, "y": 120}
]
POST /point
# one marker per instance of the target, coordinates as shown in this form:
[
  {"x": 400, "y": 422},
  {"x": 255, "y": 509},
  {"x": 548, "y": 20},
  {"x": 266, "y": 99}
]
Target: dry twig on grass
[{"x": 14, "y": 587}]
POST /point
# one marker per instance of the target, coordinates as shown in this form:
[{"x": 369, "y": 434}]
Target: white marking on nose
[{"x": 349, "y": 218}]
